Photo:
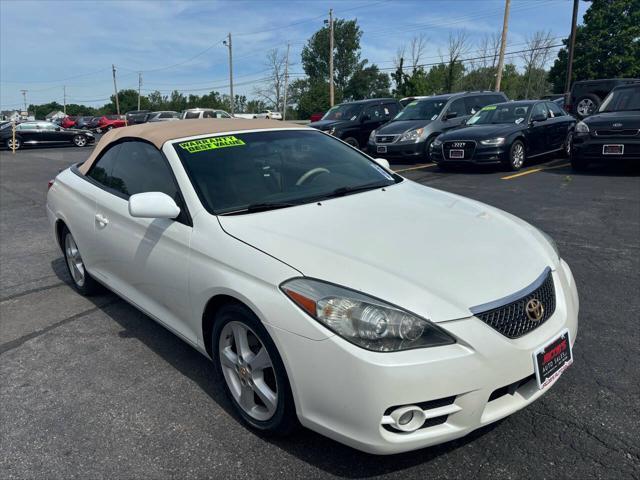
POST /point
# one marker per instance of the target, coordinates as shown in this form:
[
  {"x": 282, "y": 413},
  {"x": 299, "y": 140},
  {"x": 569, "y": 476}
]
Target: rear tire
[
  {"x": 81, "y": 280},
  {"x": 248, "y": 362},
  {"x": 10, "y": 143}
]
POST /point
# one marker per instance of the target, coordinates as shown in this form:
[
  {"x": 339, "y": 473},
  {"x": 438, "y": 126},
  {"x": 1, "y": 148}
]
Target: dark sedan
[
  {"x": 611, "y": 134},
  {"x": 43, "y": 133},
  {"x": 507, "y": 134}
]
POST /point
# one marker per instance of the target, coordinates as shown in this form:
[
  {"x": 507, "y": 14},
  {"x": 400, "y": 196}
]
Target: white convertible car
[{"x": 327, "y": 290}]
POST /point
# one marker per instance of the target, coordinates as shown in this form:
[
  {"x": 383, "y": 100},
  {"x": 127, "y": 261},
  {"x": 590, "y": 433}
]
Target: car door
[
  {"x": 537, "y": 131},
  {"x": 144, "y": 259},
  {"x": 375, "y": 116},
  {"x": 459, "y": 107},
  {"x": 50, "y": 132},
  {"x": 558, "y": 126}
]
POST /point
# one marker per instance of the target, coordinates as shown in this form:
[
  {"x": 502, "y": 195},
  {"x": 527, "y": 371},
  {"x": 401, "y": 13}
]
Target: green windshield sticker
[
  {"x": 212, "y": 143},
  {"x": 489, "y": 107}
]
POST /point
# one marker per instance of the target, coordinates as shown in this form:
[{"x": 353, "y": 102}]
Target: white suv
[
  {"x": 269, "y": 114},
  {"x": 193, "y": 113}
]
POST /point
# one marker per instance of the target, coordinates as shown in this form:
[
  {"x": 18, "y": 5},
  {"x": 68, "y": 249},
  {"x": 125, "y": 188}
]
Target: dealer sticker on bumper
[{"x": 552, "y": 359}]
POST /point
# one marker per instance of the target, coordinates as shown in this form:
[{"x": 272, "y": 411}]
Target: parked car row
[{"x": 42, "y": 133}]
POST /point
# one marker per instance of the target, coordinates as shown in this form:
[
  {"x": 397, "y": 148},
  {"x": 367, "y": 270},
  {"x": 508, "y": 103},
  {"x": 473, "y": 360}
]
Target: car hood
[
  {"x": 627, "y": 119},
  {"x": 401, "y": 126},
  {"x": 434, "y": 253},
  {"x": 327, "y": 124},
  {"x": 480, "y": 132}
]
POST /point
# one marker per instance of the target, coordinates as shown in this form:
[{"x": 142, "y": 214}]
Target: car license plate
[
  {"x": 382, "y": 149},
  {"x": 552, "y": 359},
  {"x": 456, "y": 153},
  {"x": 613, "y": 149}
]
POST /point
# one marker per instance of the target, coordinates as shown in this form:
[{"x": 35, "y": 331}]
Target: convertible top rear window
[{"x": 232, "y": 173}]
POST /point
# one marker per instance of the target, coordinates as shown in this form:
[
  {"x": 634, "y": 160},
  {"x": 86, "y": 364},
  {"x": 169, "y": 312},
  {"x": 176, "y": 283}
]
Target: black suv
[
  {"x": 613, "y": 133},
  {"x": 353, "y": 122},
  {"x": 587, "y": 95},
  {"x": 409, "y": 135}
]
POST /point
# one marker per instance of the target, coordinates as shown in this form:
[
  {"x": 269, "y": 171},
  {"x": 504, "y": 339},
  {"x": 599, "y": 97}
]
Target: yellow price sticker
[
  {"x": 489, "y": 107},
  {"x": 212, "y": 143}
]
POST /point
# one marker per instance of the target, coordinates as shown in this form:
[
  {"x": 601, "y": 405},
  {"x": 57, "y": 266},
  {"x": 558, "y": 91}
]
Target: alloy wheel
[
  {"x": 248, "y": 371},
  {"x": 80, "y": 141},
  {"x": 585, "y": 107},
  {"x": 74, "y": 260},
  {"x": 517, "y": 156},
  {"x": 13, "y": 144}
]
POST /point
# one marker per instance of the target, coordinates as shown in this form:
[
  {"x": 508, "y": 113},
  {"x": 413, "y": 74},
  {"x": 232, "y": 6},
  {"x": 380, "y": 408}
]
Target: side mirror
[
  {"x": 153, "y": 205},
  {"x": 450, "y": 115},
  {"x": 538, "y": 117},
  {"x": 383, "y": 162}
]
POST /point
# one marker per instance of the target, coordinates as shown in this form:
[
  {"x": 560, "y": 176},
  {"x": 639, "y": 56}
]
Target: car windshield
[
  {"x": 502, "y": 113},
  {"x": 622, "y": 99},
  {"x": 346, "y": 111},
  {"x": 421, "y": 110},
  {"x": 248, "y": 172}
]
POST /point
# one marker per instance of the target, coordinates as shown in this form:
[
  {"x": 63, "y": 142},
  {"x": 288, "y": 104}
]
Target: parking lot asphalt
[{"x": 92, "y": 388}]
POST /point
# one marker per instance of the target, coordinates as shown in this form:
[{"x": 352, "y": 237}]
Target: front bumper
[
  {"x": 481, "y": 155},
  {"x": 397, "y": 151},
  {"x": 343, "y": 391},
  {"x": 587, "y": 147}
]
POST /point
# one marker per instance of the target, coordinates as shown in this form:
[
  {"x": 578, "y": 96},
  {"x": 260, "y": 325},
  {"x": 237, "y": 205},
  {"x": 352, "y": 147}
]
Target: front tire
[
  {"x": 254, "y": 376},
  {"x": 587, "y": 105},
  {"x": 517, "y": 155},
  {"x": 566, "y": 147},
  {"x": 79, "y": 140},
  {"x": 10, "y": 144},
  {"x": 352, "y": 141},
  {"x": 81, "y": 280}
]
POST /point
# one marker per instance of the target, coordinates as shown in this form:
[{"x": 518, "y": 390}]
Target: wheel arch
[
  {"x": 209, "y": 313},
  {"x": 59, "y": 226}
]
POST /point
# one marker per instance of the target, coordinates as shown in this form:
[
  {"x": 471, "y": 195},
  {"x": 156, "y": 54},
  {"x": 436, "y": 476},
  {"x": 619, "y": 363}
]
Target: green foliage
[
  {"x": 607, "y": 44},
  {"x": 367, "y": 82},
  {"x": 312, "y": 96}
]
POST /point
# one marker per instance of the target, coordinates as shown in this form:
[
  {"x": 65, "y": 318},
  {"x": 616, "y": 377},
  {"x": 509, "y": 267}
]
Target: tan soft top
[{"x": 159, "y": 133}]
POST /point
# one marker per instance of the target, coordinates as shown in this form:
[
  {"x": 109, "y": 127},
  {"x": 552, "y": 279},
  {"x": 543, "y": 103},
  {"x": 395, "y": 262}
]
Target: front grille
[
  {"x": 511, "y": 319},
  {"x": 469, "y": 147},
  {"x": 385, "y": 138},
  {"x": 629, "y": 132}
]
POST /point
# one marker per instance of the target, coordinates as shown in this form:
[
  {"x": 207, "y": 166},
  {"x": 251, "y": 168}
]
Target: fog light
[{"x": 408, "y": 419}]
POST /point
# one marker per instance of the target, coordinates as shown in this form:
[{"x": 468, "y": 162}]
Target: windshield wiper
[
  {"x": 264, "y": 206},
  {"x": 339, "y": 192}
]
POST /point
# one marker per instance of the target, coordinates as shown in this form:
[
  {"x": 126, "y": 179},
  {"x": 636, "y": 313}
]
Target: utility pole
[
  {"x": 64, "y": 98},
  {"x": 286, "y": 83},
  {"x": 572, "y": 42},
  {"x": 503, "y": 44},
  {"x": 115, "y": 89},
  {"x": 228, "y": 44},
  {"x": 24, "y": 97},
  {"x": 139, "y": 87},
  {"x": 331, "y": 97}
]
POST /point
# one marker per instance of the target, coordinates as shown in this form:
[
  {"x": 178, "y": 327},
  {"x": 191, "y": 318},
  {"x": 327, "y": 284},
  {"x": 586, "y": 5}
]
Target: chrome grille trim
[{"x": 507, "y": 315}]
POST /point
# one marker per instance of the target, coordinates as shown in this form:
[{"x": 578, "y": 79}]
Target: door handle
[{"x": 101, "y": 219}]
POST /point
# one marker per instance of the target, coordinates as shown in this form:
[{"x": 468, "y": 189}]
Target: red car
[
  {"x": 316, "y": 117},
  {"x": 68, "y": 122},
  {"x": 109, "y": 122}
]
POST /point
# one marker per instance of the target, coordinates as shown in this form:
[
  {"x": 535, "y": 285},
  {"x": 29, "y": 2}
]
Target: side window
[
  {"x": 555, "y": 109},
  {"x": 391, "y": 108},
  {"x": 476, "y": 102},
  {"x": 165, "y": 115},
  {"x": 189, "y": 115},
  {"x": 374, "y": 112},
  {"x": 538, "y": 109},
  {"x": 141, "y": 168},
  {"x": 459, "y": 107},
  {"x": 209, "y": 114},
  {"x": 221, "y": 114},
  {"x": 101, "y": 170}
]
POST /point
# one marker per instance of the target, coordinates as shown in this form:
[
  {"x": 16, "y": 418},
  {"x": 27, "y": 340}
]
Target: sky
[{"x": 46, "y": 45}]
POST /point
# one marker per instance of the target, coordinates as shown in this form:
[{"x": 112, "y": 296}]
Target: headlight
[
  {"x": 493, "y": 141},
  {"x": 582, "y": 127},
  {"x": 331, "y": 131},
  {"x": 372, "y": 137},
  {"x": 551, "y": 241},
  {"x": 412, "y": 135},
  {"x": 437, "y": 142},
  {"x": 365, "y": 321}
]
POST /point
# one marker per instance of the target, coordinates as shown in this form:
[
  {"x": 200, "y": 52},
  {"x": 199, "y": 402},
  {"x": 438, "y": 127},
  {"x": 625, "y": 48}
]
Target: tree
[
  {"x": 272, "y": 90},
  {"x": 606, "y": 44},
  {"x": 535, "y": 58},
  {"x": 128, "y": 100},
  {"x": 367, "y": 82},
  {"x": 457, "y": 47}
]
